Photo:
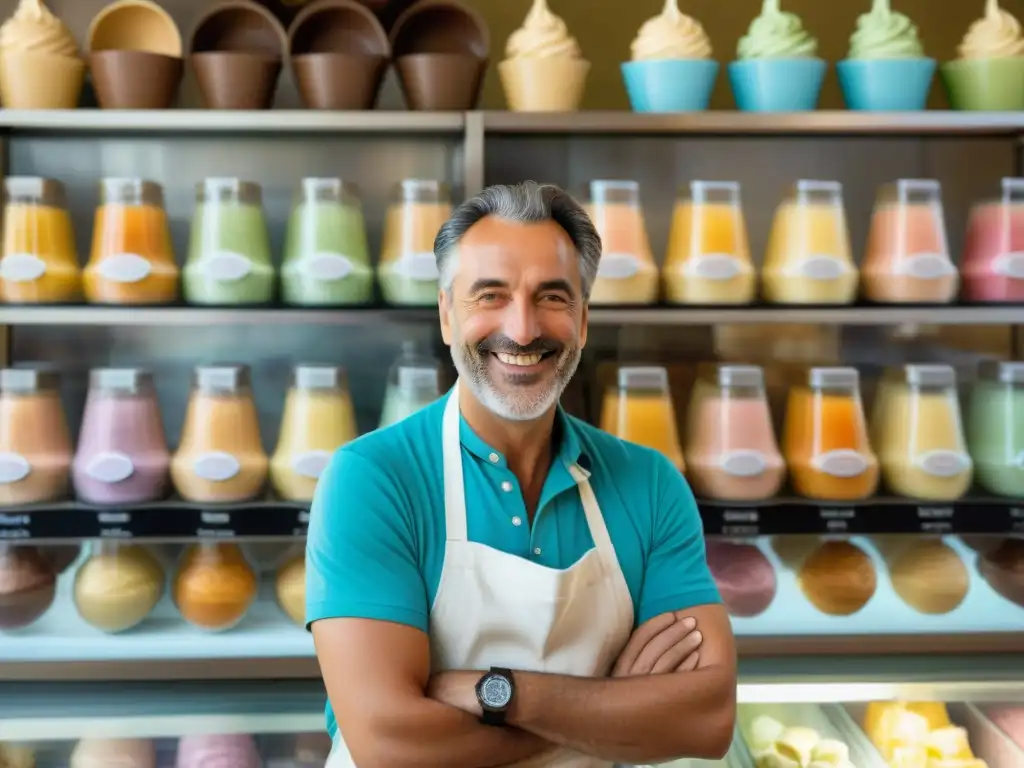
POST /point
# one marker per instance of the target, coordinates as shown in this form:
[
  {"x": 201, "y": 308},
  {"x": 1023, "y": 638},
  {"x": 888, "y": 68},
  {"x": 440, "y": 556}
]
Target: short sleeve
[
  {"x": 677, "y": 574},
  {"x": 361, "y": 555}
]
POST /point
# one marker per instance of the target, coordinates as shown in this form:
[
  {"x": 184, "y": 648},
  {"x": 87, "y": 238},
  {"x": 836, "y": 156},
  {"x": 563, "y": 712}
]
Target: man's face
[{"x": 515, "y": 318}]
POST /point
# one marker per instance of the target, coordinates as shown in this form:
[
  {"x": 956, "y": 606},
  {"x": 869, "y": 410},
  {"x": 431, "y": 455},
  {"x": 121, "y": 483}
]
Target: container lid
[
  {"x": 419, "y": 378},
  {"x": 643, "y": 377},
  {"x": 1007, "y": 372},
  {"x": 1012, "y": 189},
  {"x": 126, "y": 380},
  {"x": 224, "y": 379},
  {"x": 833, "y": 378},
  {"x": 27, "y": 380},
  {"x": 422, "y": 191},
  {"x": 131, "y": 191},
  {"x": 328, "y": 189},
  {"x": 726, "y": 192},
  {"x": 747, "y": 376},
  {"x": 319, "y": 376},
  {"x": 223, "y": 188},
  {"x": 33, "y": 188},
  {"x": 605, "y": 191},
  {"x": 930, "y": 375},
  {"x": 817, "y": 192}
]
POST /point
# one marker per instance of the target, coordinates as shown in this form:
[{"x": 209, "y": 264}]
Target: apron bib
[{"x": 496, "y": 609}]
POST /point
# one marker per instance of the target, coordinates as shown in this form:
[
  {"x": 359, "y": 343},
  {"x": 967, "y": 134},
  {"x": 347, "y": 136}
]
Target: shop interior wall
[{"x": 605, "y": 29}]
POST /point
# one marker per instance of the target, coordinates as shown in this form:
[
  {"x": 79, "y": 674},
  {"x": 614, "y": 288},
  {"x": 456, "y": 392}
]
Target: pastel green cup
[{"x": 992, "y": 85}]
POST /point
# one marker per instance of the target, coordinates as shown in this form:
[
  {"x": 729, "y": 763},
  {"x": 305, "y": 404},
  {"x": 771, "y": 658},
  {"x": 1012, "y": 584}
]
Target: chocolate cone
[
  {"x": 238, "y": 26},
  {"x": 236, "y": 80},
  {"x": 339, "y": 80},
  {"x": 135, "y": 79},
  {"x": 441, "y": 81}
]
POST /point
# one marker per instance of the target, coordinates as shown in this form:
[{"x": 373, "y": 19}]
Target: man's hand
[{"x": 666, "y": 643}]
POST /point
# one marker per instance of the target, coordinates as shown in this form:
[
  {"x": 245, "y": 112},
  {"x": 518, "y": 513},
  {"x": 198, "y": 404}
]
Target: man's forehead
[{"x": 495, "y": 236}]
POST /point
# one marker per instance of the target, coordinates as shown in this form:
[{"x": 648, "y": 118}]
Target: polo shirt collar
[{"x": 568, "y": 439}]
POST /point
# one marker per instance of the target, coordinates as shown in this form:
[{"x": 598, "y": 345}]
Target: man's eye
[
  {"x": 552, "y": 297},
  {"x": 488, "y": 297}
]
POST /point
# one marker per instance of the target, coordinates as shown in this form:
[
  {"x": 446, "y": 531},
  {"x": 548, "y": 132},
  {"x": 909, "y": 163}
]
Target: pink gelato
[
  {"x": 1010, "y": 721},
  {"x": 744, "y": 576},
  {"x": 227, "y": 751}
]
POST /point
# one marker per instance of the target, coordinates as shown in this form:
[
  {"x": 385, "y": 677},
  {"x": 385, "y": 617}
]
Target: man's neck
[{"x": 526, "y": 445}]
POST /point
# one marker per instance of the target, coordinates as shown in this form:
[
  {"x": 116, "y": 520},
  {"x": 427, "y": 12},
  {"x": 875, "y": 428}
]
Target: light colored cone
[
  {"x": 544, "y": 85},
  {"x": 40, "y": 81}
]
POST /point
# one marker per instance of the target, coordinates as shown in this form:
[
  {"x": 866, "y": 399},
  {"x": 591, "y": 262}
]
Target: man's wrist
[{"x": 457, "y": 688}]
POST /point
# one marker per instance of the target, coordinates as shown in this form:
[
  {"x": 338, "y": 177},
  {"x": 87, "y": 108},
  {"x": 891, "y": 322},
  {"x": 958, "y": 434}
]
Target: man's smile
[{"x": 520, "y": 364}]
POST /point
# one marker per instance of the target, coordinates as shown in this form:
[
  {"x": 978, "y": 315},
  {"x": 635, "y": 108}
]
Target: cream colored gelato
[
  {"x": 775, "y": 745},
  {"x": 542, "y": 36},
  {"x": 997, "y": 35},
  {"x": 671, "y": 35},
  {"x": 113, "y": 753},
  {"x": 34, "y": 29}
]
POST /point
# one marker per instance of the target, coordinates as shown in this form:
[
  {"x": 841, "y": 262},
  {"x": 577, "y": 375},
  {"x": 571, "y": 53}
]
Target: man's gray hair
[{"x": 528, "y": 201}]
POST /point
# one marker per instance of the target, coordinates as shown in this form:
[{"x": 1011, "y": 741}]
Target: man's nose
[{"x": 521, "y": 324}]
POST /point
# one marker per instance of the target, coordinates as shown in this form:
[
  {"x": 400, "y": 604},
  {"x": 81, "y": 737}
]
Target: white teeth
[{"x": 519, "y": 359}]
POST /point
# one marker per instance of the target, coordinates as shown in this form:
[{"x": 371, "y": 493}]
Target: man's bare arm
[
  {"x": 376, "y": 673},
  {"x": 636, "y": 719}
]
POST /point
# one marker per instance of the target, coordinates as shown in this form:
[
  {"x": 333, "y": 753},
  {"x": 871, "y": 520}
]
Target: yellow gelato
[
  {"x": 671, "y": 35},
  {"x": 918, "y": 735},
  {"x": 997, "y": 35},
  {"x": 542, "y": 36},
  {"x": 34, "y": 29}
]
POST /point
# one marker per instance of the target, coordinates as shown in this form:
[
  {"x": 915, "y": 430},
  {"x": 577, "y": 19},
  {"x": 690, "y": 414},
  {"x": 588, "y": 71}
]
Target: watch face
[{"x": 496, "y": 691}]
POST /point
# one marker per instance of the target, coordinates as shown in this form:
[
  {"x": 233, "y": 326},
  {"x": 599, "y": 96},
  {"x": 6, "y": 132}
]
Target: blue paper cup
[
  {"x": 777, "y": 85},
  {"x": 886, "y": 85},
  {"x": 670, "y": 85}
]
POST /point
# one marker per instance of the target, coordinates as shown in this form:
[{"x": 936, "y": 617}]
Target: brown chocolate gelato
[{"x": 27, "y": 585}]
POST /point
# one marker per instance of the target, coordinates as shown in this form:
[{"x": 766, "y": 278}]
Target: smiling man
[{"x": 493, "y": 582}]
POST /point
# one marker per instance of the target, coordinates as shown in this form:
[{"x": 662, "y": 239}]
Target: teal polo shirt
[{"x": 377, "y": 527}]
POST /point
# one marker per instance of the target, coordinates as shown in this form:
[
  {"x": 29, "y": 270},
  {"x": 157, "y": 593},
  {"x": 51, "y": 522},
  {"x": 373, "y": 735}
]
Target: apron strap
[
  {"x": 595, "y": 520},
  {"x": 451, "y": 461}
]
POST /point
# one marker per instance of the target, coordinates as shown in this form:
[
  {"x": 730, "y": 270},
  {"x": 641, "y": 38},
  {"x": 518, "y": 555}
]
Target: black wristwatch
[{"x": 494, "y": 691}]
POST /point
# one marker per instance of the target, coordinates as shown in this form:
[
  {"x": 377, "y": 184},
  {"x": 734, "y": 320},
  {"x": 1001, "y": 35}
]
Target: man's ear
[
  {"x": 444, "y": 306},
  {"x": 584, "y": 318}
]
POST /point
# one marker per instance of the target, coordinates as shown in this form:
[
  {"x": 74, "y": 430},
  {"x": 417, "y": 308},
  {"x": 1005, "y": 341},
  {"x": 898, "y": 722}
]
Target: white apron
[{"x": 493, "y": 609}]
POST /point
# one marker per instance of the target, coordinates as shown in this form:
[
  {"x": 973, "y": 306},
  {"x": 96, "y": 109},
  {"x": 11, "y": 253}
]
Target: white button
[
  {"x": 506, "y": 487},
  {"x": 493, "y": 458},
  {"x": 536, "y": 550},
  {"x": 517, "y": 521}
]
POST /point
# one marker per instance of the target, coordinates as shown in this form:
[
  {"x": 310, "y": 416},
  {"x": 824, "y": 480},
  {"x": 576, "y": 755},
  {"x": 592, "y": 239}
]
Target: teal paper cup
[
  {"x": 886, "y": 85},
  {"x": 993, "y": 85},
  {"x": 777, "y": 85},
  {"x": 670, "y": 85}
]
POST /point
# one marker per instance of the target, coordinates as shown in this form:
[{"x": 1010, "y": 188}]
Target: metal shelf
[
  {"x": 660, "y": 315},
  {"x": 120, "y": 709},
  {"x": 173, "y": 520},
  {"x": 209, "y": 121},
  {"x": 719, "y": 122},
  {"x": 726, "y": 122},
  {"x": 56, "y": 712}
]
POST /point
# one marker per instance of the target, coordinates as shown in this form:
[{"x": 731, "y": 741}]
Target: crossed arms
[{"x": 393, "y": 713}]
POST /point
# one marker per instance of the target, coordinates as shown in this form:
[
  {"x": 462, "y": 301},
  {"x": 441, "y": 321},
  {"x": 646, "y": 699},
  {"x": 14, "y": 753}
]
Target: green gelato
[
  {"x": 884, "y": 34},
  {"x": 776, "y": 35}
]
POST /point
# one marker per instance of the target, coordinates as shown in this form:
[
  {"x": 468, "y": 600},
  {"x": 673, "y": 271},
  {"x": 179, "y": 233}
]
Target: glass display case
[{"x": 158, "y": 452}]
